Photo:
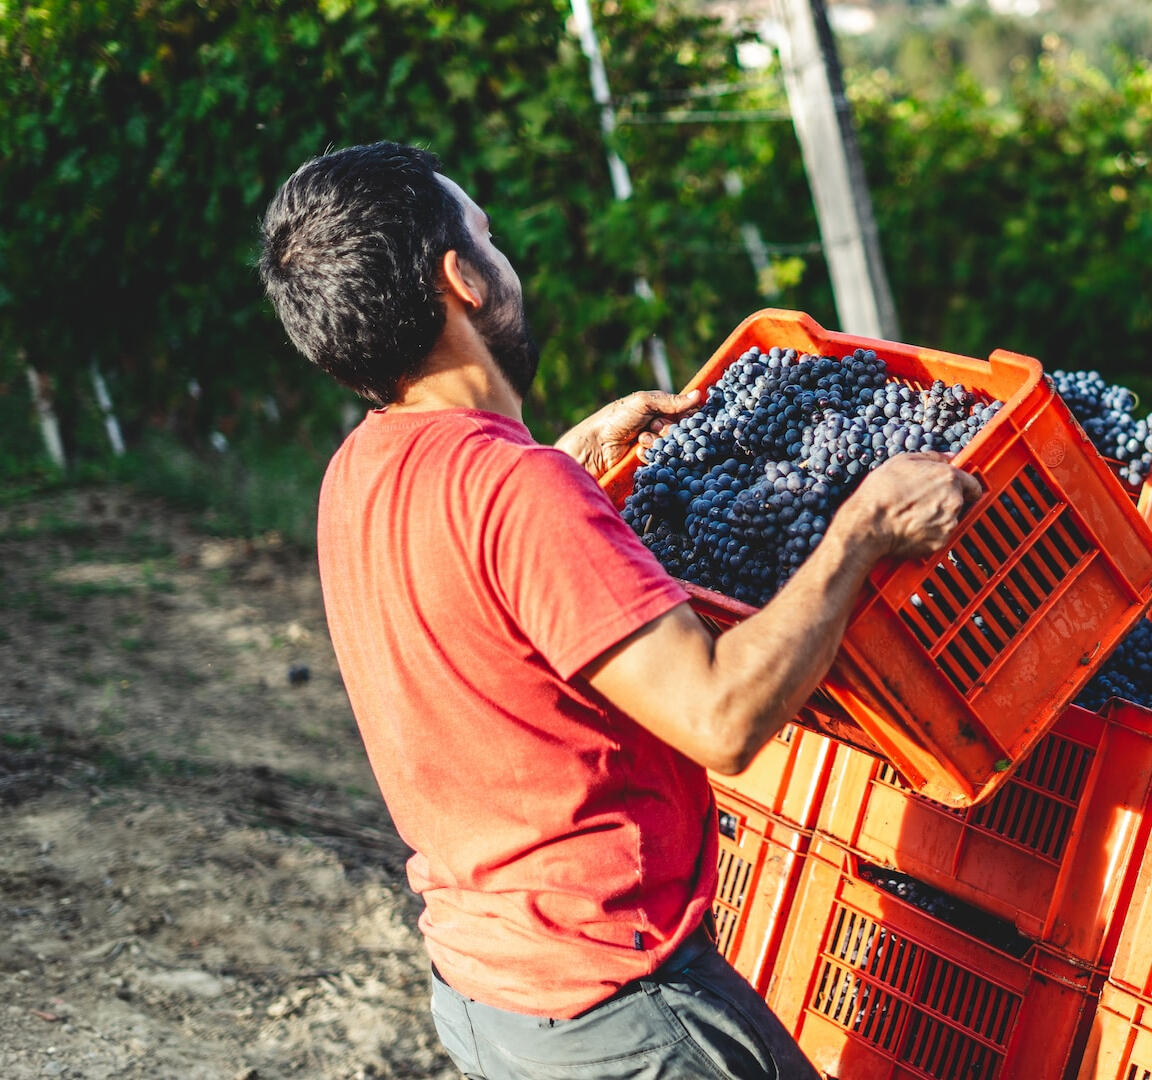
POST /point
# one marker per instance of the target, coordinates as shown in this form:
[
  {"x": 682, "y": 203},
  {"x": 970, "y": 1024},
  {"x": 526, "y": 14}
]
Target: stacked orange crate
[
  {"x": 787, "y": 777},
  {"x": 1132, "y": 964},
  {"x": 1120, "y": 1044},
  {"x": 877, "y": 988},
  {"x": 933, "y": 942},
  {"x": 766, "y": 814},
  {"x": 1055, "y": 851},
  {"x": 765, "y": 818},
  {"x": 759, "y": 864},
  {"x": 1120, "y": 1047}
]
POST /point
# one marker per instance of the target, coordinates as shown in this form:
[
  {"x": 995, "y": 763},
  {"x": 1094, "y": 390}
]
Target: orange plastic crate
[
  {"x": 1055, "y": 850},
  {"x": 1120, "y": 1046},
  {"x": 1132, "y": 964},
  {"x": 1141, "y": 496},
  {"x": 876, "y": 989},
  {"x": 787, "y": 777},
  {"x": 759, "y": 863},
  {"x": 1144, "y": 500},
  {"x": 1144, "y": 507},
  {"x": 954, "y": 666}
]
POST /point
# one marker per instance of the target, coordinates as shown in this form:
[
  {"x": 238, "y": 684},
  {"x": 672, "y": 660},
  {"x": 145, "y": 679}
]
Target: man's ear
[{"x": 461, "y": 279}]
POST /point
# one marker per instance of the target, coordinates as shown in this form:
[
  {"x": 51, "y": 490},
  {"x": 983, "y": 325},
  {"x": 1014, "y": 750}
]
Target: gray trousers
[{"x": 695, "y": 1018}]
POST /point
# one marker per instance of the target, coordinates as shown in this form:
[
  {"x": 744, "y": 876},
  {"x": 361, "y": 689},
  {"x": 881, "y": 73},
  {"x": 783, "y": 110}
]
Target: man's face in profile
[{"x": 501, "y": 320}]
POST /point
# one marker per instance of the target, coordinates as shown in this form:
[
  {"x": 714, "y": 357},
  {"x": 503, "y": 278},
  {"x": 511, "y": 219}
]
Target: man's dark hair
[{"x": 352, "y": 245}]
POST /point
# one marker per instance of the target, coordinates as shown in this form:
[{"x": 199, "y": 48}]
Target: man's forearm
[
  {"x": 718, "y": 700},
  {"x": 770, "y": 664}
]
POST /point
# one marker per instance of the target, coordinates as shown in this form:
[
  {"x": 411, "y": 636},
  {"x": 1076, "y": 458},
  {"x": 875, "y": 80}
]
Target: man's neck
[{"x": 459, "y": 373}]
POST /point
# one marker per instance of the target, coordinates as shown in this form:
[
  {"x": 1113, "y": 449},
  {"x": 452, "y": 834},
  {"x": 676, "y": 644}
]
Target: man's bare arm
[{"x": 718, "y": 700}]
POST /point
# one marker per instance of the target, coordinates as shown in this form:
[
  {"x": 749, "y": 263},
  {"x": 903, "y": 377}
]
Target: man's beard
[{"x": 503, "y": 326}]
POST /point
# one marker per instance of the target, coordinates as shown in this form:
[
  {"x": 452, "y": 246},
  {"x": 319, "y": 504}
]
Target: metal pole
[{"x": 617, "y": 169}]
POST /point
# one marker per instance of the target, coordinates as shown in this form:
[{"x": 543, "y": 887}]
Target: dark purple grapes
[
  {"x": 738, "y": 495},
  {"x": 1106, "y": 413},
  {"x": 1126, "y": 674},
  {"x": 972, "y": 920}
]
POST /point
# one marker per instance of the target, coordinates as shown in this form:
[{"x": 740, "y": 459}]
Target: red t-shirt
[{"x": 469, "y": 574}]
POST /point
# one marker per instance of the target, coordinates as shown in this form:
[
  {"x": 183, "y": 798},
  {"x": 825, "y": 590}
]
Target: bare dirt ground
[{"x": 198, "y": 878}]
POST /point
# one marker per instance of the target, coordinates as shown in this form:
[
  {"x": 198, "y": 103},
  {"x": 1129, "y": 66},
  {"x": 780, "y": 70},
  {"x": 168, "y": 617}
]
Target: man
[{"x": 537, "y": 699}]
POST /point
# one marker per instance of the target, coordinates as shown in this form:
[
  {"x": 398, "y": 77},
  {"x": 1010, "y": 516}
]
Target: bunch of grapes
[
  {"x": 1106, "y": 413},
  {"x": 1126, "y": 674},
  {"x": 997, "y": 932},
  {"x": 738, "y": 495}
]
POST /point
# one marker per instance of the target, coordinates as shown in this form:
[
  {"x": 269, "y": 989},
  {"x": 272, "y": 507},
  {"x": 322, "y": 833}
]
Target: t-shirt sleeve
[{"x": 572, "y": 574}]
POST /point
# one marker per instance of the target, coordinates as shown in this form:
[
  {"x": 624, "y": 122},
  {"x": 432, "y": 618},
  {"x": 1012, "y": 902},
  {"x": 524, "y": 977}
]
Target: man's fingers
[
  {"x": 972, "y": 489},
  {"x": 659, "y": 401},
  {"x": 685, "y": 401},
  {"x": 654, "y": 411}
]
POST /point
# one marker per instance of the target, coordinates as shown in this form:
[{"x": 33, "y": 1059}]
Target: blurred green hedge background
[{"x": 1008, "y": 161}]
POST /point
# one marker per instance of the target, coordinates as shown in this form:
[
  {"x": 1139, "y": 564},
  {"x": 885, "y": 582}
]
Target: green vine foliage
[
  {"x": 1021, "y": 221},
  {"x": 141, "y": 139}
]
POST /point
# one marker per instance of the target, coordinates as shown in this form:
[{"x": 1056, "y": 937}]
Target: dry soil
[{"x": 198, "y": 879}]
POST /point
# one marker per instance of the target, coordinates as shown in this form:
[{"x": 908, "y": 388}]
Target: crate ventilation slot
[
  {"x": 1036, "y": 807},
  {"x": 887, "y": 774},
  {"x": 735, "y": 875},
  {"x": 930, "y": 1014},
  {"x": 987, "y": 588}
]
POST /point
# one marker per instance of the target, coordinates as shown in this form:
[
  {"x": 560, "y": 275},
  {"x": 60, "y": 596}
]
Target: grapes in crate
[
  {"x": 972, "y": 920},
  {"x": 1106, "y": 413},
  {"x": 1126, "y": 674},
  {"x": 736, "y": 497}
]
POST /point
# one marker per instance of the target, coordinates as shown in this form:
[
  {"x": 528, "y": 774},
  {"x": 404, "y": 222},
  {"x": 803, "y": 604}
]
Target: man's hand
[
  {"x": 607, "y": 435},
  {"x": 909, "y": 506}
]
